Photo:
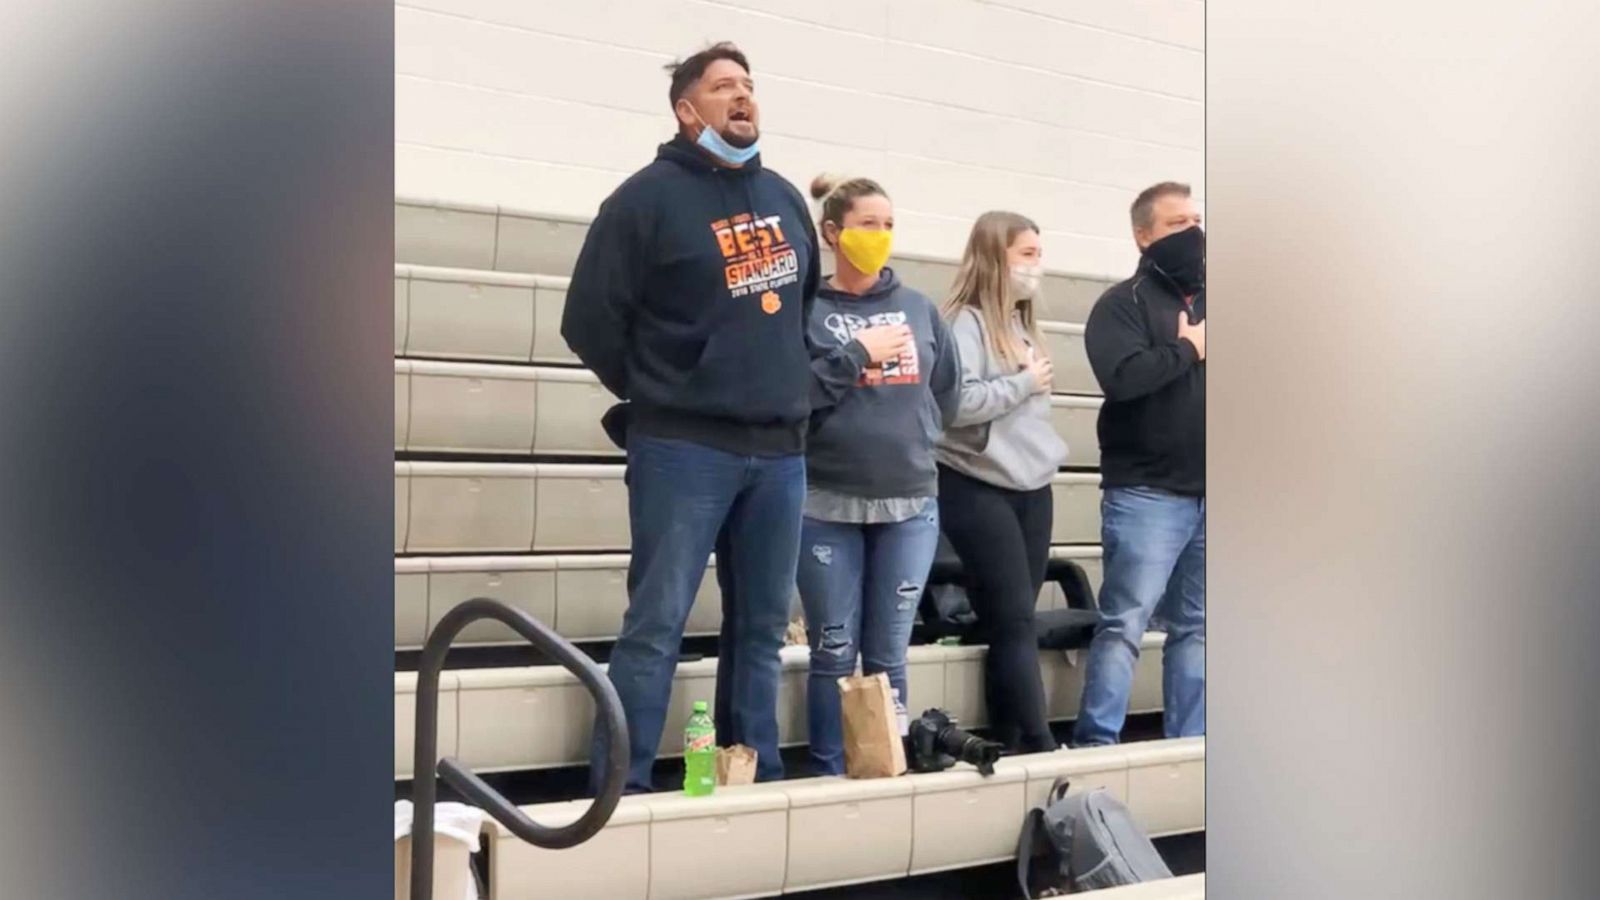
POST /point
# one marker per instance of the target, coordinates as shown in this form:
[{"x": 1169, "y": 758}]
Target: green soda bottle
[{"x": 699, "y": 753}]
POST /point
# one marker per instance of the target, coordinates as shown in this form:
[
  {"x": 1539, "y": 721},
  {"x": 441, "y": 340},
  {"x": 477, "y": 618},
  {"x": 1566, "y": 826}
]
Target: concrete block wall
[{"x": 1060, "y": 109}]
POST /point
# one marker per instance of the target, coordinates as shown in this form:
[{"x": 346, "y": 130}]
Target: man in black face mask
[{"x": 1146, "y": 341}]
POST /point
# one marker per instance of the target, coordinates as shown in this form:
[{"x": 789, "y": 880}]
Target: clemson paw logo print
[{"x": 770, "y": 303}]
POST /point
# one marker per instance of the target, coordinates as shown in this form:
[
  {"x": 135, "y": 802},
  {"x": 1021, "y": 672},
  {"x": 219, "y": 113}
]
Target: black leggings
[{"x": 1003, "y": 539}]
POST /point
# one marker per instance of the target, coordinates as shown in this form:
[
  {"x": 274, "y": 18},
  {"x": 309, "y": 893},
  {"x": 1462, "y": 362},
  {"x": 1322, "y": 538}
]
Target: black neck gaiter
[{"x": 1181, "y": 256}]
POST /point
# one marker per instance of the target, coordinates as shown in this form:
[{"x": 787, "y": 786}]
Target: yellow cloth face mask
[{"x": 867, "y": 250}]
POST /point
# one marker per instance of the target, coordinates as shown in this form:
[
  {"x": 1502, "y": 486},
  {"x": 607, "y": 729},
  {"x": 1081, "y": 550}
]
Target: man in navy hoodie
[{"x": 689, "y": 301}]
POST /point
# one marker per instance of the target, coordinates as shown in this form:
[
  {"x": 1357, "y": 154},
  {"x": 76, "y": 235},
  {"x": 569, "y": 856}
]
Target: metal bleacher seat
[
  {"x": 514, "y": 507},
  {"x": 457, "y": 407},
  {"x": 475, "y": 314},
  {"x": 1076, "y": 419},
  {"x": 445, "y": 233},
  {"x": 475, "y": 236},
  {"x": 1183, "y": 887},
  {"x": 483, "y": 315},
  {"x": 581, "y": 596},
  {"x": 448, "y": 234},
  {"x": 556, "y": 507},
  {"x": 405, "y": 719},
  {"x": 1064, "y": 341},
  {"x": 1077, "y": 508},
  {"x": 814, "y": 833},
  {"x": 532, "y": 717},
  {"x": 465, "y": 407}
]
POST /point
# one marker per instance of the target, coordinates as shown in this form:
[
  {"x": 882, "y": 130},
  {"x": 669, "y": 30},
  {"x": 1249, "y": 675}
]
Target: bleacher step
[
  {"x": 807, "y": 834},
  {"x": 1184, "y": 887},
  {"x": 582, "y": 596},
  {"x": 446, "y": 406},
  {"x": 443, "y": 233},
  {"x": 482, "y": 507},
  {"x": 478, "y": 315},
  {"x": 541, "y": 717}
]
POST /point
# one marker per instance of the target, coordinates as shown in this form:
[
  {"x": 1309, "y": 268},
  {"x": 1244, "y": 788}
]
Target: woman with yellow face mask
[{"x": 871, "y": 516}]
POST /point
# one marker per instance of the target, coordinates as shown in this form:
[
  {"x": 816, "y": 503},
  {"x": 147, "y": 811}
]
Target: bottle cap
[{"x": 699, "y": 706}]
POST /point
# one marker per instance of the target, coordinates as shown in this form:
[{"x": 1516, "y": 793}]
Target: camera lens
[
  {"x": 936, "y": 742},
  {"x": 969, "y": 748}
]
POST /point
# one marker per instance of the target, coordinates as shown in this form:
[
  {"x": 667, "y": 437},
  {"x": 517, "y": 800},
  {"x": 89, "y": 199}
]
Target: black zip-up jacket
[
  {"x": 1153, "y": 424},
  {"x": 690, "y": 300}
]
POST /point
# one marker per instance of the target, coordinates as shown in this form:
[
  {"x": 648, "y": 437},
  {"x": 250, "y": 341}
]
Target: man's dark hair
[
  {"x": 686, "y": 72},
  {"x": 1143, "y": 210}
]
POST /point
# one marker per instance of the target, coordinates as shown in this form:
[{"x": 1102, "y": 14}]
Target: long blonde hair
[{"x": 983, "y": 282}]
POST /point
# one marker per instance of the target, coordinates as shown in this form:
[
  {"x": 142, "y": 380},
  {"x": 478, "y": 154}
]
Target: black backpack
[{"x": 1081, "y": 843}]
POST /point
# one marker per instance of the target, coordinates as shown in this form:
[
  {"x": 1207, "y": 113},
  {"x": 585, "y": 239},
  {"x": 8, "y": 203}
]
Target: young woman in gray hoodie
[
  {"x": 871, "y": 522},
  {"x": 996, "y": 463}
]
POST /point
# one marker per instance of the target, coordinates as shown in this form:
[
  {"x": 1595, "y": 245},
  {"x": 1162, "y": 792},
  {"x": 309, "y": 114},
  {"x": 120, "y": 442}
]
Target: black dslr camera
[{"x": 935, "y": 743}]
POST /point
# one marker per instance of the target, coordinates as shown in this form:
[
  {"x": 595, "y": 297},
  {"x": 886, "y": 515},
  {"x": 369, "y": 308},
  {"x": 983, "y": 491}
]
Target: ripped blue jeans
[{"x": 860, "y": 585}]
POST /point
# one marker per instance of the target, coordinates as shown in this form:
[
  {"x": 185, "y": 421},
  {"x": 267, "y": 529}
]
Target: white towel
[{"x": 457, "y": 821}]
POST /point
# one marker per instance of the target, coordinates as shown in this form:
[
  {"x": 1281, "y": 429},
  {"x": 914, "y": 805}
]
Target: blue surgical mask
[{"x": 714, "y": 144}]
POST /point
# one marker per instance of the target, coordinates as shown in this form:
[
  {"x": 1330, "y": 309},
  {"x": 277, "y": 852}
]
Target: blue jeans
[
  {"x": 860, "y": 585},
  {"x": 680, "y": 495},
  {"x": 1155, "y": 560}
]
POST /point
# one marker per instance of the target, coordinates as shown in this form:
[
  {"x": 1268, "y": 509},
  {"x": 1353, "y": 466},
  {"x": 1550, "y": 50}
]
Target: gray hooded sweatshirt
[
  {"x": 1002, "y": 434},
  {"x": 876, "y": 440}
]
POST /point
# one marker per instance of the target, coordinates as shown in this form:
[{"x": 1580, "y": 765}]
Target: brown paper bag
[
  {"x": 736, "y": 765},
  {"x": 872, "y": 747}
]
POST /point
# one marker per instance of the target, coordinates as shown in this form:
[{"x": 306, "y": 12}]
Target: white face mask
[{"x": 1025, "y": 280}]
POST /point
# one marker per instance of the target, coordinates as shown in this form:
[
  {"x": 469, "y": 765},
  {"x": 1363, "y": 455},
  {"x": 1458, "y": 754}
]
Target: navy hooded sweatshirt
[{"x": 690, "y": 298}]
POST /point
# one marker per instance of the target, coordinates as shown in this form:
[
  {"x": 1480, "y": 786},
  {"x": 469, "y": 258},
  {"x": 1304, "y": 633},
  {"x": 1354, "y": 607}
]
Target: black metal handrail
[{"x": 424, "y": 789}]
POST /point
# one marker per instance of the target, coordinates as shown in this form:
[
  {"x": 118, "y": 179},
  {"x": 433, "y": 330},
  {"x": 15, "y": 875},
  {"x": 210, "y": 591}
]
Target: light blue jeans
[
  {"x": 860, "y": 585},
  {"x": 1155, "y": 561}
]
